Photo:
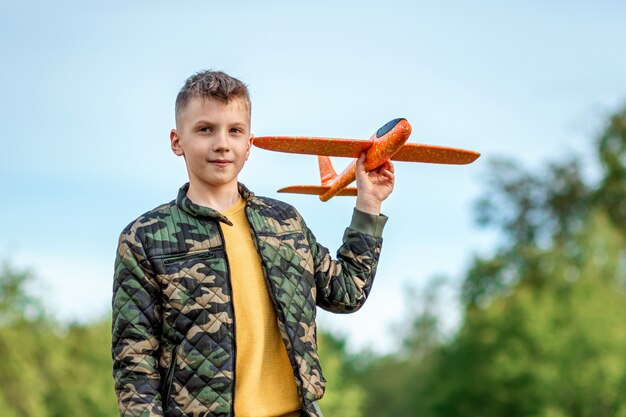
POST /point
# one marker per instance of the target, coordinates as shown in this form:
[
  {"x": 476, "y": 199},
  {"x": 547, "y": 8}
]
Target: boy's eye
[{"x": 205, "y": 129}]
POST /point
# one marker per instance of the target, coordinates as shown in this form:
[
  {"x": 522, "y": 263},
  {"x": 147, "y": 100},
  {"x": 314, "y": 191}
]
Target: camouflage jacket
[{"x": 174, "y": 333}]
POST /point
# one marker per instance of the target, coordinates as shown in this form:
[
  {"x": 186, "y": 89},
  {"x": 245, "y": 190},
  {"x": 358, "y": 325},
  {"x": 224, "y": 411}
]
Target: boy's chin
[{"x": 212, "y": 183}]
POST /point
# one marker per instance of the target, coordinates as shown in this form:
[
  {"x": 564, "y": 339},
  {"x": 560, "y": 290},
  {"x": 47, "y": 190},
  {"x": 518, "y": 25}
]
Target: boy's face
[{"x": 215, "y": 139}]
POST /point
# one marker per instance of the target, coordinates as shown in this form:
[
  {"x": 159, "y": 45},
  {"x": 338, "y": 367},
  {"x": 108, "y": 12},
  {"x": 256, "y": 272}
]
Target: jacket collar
[{"x": 197, "y": 210}]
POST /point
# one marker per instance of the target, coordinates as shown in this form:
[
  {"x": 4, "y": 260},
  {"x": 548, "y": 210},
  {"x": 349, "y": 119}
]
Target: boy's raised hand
[{"x": 373, "y": 187}]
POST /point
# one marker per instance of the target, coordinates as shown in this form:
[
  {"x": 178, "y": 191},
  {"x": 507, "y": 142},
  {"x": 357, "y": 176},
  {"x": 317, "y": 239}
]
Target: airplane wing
[
  {"x": 350, "y": 148},
  {"x": 416, "y": 152}
]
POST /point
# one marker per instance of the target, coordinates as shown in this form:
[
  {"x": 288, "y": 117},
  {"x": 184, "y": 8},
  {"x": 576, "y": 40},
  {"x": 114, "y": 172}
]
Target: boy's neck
[{"x": 217, "y": 198}]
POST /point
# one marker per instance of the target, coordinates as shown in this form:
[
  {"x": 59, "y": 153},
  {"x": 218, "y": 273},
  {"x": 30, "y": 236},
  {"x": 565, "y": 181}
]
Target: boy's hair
[{"x": 212, "y": 85}]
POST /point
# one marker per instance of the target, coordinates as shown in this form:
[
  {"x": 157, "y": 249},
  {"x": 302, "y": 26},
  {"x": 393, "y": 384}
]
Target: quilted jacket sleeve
[
  {"x": 136, "y": 317},
  {"x": 343, "y": 284}
]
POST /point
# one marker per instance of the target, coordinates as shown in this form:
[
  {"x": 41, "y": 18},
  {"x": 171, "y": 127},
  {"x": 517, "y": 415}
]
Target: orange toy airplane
[{"x": 388, "y": 143}]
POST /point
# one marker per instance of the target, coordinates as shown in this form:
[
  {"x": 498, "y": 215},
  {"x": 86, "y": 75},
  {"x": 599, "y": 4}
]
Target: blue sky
[{"x": 87, "y": 105}]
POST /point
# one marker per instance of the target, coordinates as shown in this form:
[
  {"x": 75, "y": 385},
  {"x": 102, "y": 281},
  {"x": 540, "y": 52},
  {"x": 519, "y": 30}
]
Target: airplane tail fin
[
  {"x": 316, "y": 190},
  {"x": 327, "y": 172}
]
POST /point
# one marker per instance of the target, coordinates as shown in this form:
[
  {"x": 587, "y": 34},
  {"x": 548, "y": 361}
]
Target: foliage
[
  {"x": 553, "y": 346},
  {"x": 542, "y": 332},
  {"x": 611, "y": 193},
  {"x": 49, "y": 369},
  {"x": 344, "y": 395},
  {"x": 396, "y": 384},
  {"x": 532, "y": 208}
]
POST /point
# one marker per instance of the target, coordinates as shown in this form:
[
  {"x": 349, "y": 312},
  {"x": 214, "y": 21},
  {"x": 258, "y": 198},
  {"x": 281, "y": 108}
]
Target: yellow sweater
[{"x": 264, "y": 380}]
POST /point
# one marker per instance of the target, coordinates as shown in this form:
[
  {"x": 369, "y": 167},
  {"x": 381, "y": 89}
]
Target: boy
[{"x": 215, "y": 292}]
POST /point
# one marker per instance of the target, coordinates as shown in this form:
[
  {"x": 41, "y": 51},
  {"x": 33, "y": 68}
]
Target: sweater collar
[{"x": 197, "y": 210}]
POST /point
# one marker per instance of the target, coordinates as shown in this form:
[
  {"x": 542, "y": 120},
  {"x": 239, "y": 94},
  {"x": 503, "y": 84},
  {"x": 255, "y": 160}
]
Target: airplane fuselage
[{"x": 385, "y": 143}]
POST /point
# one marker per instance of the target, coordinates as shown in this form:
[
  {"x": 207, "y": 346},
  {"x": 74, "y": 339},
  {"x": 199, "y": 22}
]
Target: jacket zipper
[
  {"x": 169, "y": 378},
  {"x": 280, "y": 312},
  {"x": 232, "y": 308},
  {"x": 187, "y": 256}
]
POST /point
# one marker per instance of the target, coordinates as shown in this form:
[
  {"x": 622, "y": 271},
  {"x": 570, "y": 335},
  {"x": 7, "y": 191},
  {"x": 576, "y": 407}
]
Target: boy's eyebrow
[
  {"x": 239, "y": 124},
  {"x": 203, "y": 120}
]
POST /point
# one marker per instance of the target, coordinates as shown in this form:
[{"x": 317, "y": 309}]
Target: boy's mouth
[{"x": 220, "y": 162}]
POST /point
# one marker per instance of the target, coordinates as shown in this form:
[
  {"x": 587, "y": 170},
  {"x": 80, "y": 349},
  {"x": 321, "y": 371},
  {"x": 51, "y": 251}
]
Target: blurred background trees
[
  {"x": 542, "y": 329},
  {"x": 48, "y": 368}
]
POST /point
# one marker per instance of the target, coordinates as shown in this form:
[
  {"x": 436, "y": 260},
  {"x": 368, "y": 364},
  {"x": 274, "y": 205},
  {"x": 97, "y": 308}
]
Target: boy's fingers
[
  {"x": 387, "y": 168},
  {"x": 388, "y": 165},
  {"x": 360, "y": 163}
]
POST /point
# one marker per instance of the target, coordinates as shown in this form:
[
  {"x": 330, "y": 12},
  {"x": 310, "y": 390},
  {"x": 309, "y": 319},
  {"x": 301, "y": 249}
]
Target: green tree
[
  {"x": 611, "y": 193},
  {"x": 553, "y": 346},
  {"x": 542, "y": 332},
  {"x": 24, "y": 335},
  {"x": 49, "y": 369},
  {"x": 83, "y": 378},
  {"x": 343, "y": 395},
  {"x": 397, "y": 384}
]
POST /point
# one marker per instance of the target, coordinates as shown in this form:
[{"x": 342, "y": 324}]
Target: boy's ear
[
  {"x": 175, "y": 143},
  {"x": 249, "y": 145}
]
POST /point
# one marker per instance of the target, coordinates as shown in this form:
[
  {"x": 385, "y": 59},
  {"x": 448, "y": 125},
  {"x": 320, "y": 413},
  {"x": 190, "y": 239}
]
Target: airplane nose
[{"x": 388, "y": 126}]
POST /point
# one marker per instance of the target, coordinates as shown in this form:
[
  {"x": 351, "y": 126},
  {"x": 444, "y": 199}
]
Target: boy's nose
[{"x": 221, "y": 142}]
